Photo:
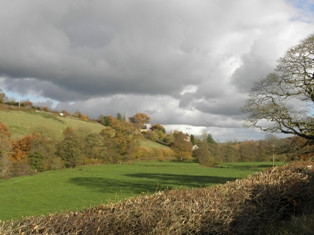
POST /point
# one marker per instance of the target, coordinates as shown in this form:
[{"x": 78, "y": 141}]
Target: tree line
[{"x": 119, "y": 142}]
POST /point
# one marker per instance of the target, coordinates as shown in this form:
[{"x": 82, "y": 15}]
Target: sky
[{"x": 188, "y": 64}]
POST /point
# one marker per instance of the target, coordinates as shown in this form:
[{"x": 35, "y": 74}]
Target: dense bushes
[
  {"x": 288, "y": 149},
  {"x": 246, "y": 206},
  {"x": 161, "y": 154},
  {"x": 37, "y": 152}
]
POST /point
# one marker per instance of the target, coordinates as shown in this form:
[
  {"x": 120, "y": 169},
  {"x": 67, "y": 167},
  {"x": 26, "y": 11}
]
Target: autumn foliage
[
  {"x": 140, "y": 119},
  {"x": 4, "y": 130},
  {"x": 5, "y": 150},
  {"x": 120, "y": 141},
  {"x": 22, "y": 147}
]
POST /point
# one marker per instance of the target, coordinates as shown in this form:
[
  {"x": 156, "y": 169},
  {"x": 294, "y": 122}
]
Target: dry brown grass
[{"x": 240, "y": 207}]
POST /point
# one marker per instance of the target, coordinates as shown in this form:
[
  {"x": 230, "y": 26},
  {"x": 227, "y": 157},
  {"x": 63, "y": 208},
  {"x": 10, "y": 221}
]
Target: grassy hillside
[
  {"x": 21, "y": 123},
  {"x": 151, "y": 144},
  {"x": 78, "y": 188}
]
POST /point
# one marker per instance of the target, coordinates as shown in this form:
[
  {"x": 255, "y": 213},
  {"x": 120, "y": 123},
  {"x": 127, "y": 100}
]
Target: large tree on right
[{"x": 284, "y": 100}]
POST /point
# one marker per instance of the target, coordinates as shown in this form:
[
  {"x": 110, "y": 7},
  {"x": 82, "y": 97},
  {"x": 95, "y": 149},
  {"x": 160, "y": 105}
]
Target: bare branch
[{"x": 284, "y": 100}]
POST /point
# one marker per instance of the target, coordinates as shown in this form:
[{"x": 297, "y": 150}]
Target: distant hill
[
  {"x": 21, "y": 123},
  {"x": 41, "y": 140}
]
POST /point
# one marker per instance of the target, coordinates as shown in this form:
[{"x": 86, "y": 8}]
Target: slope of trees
[
  {"x": 119, "y": 141},
  {"x": 36, "y": 152}
]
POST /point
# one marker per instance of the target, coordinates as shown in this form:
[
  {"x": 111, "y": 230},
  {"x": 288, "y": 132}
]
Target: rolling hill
[
  {"x": 21, "y": 123},
  {"x": 24, "y": 121}
]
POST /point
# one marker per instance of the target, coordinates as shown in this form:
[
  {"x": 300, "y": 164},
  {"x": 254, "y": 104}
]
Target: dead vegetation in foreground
[{"x": 240, "y": 207}]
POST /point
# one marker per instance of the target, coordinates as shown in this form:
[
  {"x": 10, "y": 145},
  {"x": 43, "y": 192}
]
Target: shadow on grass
[
  {"x": 147, "y": 183},
  {"x": 246, "y": 167},
  {"x": 116, "y": 186},
  {"x": 183, "y": 180}
]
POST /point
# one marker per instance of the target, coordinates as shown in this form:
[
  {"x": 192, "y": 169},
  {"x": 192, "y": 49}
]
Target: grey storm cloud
[{"x": 182, "y": 61}]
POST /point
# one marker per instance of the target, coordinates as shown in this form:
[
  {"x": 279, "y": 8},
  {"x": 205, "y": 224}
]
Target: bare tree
[{"x": 284, "y": 100}]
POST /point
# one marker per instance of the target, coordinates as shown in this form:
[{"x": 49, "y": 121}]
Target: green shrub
[
  {"x": 69, "y": 151},
  {"x": 35, "y": 160}
]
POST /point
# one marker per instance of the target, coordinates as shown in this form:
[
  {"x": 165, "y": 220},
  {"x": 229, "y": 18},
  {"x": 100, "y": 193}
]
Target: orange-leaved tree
[
  {"x": 5, "y": 150},
  {"x": 22, "y": 147},
  {"x": 140, "y": 119}
]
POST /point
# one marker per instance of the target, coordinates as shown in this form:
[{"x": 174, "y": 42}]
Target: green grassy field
[
  {"x": 21, "y": 123},
  {"x": 78, "y": 188},
  {"x": 151, "y": 144}
]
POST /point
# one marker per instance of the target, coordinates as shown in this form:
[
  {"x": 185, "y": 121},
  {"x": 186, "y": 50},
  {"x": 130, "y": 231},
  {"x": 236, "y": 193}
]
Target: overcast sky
[{"x": 188, "y": 64}]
